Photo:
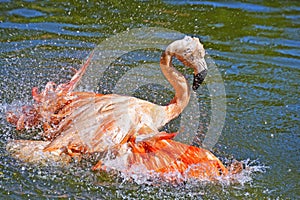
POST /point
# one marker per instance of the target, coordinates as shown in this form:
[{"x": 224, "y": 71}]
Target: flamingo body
[{"x": 83, "y": 123}]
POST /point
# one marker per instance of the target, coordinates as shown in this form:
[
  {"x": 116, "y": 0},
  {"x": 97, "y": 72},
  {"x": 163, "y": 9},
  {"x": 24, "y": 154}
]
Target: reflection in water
[{"x": 254, "y": 44}]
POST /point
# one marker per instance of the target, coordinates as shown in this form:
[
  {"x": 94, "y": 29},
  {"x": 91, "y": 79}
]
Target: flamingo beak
[
  {"x": 200, "y": 73},
  {"x": 199, "y": 78}
]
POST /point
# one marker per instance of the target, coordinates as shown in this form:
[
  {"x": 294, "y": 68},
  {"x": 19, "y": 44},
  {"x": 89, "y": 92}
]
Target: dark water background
[{"x": 255, "y": 44}]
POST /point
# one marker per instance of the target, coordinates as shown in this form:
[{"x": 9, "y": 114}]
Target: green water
[{"x": 255, "y": 44}]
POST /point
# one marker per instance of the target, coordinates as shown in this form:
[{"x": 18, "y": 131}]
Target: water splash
[
  {"x": 251, "y": 167},
  {"x": 138, "y": 173},
  {"x": 150, "y": 183},
  {"x": 8, "y": 131}
]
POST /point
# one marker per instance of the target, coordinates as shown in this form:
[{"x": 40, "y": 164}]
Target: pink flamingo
[{"x": 77, "y": 123}]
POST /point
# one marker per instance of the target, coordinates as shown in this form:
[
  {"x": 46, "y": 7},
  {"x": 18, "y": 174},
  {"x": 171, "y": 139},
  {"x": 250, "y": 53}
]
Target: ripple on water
[
  {"x": 25, "y": 44},
  {"x": 25, "y": 12},
  {"x": 234, "y": 5},
  {"x": 263, "y": 41},
  {"x": 51, "y": 27}
]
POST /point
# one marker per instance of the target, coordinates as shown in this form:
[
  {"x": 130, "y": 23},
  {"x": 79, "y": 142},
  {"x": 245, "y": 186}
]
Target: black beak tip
[{"x": 198, "y": 79}]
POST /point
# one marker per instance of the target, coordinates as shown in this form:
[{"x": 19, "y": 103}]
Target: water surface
[{"x": 255, "y": 45}]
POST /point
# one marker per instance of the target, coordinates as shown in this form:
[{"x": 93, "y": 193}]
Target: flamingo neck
[{"x": 180, "y": 85}]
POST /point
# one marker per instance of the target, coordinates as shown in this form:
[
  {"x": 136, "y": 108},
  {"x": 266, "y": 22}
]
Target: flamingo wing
[
  {"x": 165, "y": 156},
  {"x": 96, "y": 123}
]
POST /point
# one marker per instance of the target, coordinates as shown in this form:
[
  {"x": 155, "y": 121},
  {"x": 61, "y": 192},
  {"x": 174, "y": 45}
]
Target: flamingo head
[{"x": 191, "y": 53}]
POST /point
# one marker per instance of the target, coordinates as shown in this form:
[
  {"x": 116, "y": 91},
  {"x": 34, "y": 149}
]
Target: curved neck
[{"x": 180, "y": 85}]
